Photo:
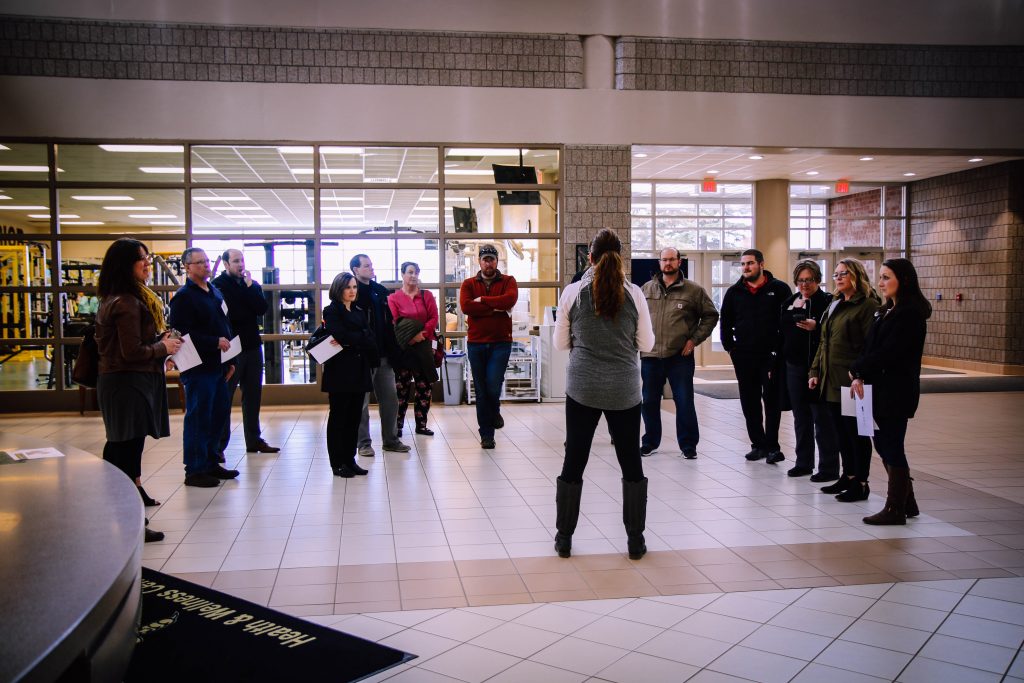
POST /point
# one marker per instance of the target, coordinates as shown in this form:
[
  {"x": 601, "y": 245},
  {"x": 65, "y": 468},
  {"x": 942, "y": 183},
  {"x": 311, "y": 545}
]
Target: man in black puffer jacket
[{"x": 750, "y": 329}]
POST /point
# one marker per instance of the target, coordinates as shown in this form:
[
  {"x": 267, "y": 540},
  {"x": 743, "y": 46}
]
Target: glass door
[
  {"x": 718, "y": 273},
  {"x": 871, "y": 258}
]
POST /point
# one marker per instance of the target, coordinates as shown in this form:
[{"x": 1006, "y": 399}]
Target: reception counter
[{"x": 70, "y": 563}]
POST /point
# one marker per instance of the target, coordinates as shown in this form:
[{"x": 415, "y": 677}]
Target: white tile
[
  {"x": 636, "y": 667},
  {"x": 817, "y": 673},
  {"x": 469, "y": 663},
  {"x": 741, "y": 606},
  {"x": 368, "y": 627},
  {"x": 987, "y": 608},
  {"x": 408, "y": 618},
  {"x": 581, "y": 656},
  {"x": 534, "y": 671},
  {"x": 835, "y": 603},
  {"x": 458, "y": 625},
  {"x": 864, "y": 659},
  {"x": 652, "y": 613},
  {"x": 1011, "y": 589},
  {"x": 920, "y": 596},
  {"x": 888, "y": 636},
  {"x": 557, "y": 619},
  {"x": 924, "y": 670},
  {"x": 786, "y": 642},
  {"x": 417, "y": 674},
  {"x": 685, "y": 648},
  {"x": 611, "y": 630},
  {"x": 717, "y": 626},
  {"x": 516, "y": 640},
  {"x": 905, "y": 615},
  {"x": 424, "y": 645},
  {"x": 756, "y": 665},
  {"x": 969, "y": 653},
  {"x": 983, "y": 630}
]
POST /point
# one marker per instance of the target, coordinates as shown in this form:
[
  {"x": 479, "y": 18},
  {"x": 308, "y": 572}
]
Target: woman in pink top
[{"x": 412, "y": 302}]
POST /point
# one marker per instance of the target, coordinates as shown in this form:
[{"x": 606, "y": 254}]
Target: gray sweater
[{"x": 604, "y": 361}]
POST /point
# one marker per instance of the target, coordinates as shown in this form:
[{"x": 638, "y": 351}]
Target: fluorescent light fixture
[
  {"x": 243, "y": 209},
  {"x": 220, "y": 199},
  {"x": 867, "y": 158},
  {"x": 335, "y": 200},
  {"x": 640, "y": 155},
  {"x": 25, "y": 169},
  {"x": 145, "y": 149},
  {"x": 974, "y": 160},
  {"x": 484, "y": 152},
  {"x": 150, "y": 215},
  {"x": 339, "y": 209},
  {"x": 468, "y": 171},
  {"x": 22, "y": 207},
  {"x": 339, "y": 171},
  {"x": 812, "y": 173},
  {"x": 46, "y": 215},
  {"x": 103, "y": 198},
  {"x": 909, "y": 174},
  {"x": 714, "y": 170},
  {"x": 755, "y": 157},
  {"x": 177, "y": 170},
  {"x": 4, "y": 148},
  {"x": 130, "y": 208},
  {"x": 380, "y": 206},
  {"x": 308, "y": 149},
  {"x": 167, "y": 222},
  {"x": 81, "y": 222}
]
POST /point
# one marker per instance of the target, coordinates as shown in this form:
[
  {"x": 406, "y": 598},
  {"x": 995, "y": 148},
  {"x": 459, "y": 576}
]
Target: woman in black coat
[
  {"x": 346, "y": 375},
  {"x": 891, "y": 364},
  {"x": 799, "y": 333}
]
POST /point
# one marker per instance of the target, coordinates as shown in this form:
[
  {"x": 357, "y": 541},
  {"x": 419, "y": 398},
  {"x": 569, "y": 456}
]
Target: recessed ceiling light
[
  {"x": 103, "y": 198},
  {"x": 46, "y": 215},
  {"x": 167, "y": 222},
  {"x": 640, "y": 155},
  {"x": 149, "y": 215},
  {"x": 867, "y": 158},
  {"x": 974, "y": 160},
  {"x": 467, "y": 171},
  {"x": 812, "y": 173},
  {"x": 217, "y": 199},
  {"x": 3, "y": 196},
  {"x": 25, "y": 169},
  {"x": 714, "y": 170},
  {"x": 22, "y": 207},
  {"x": 484, "y": 152},
  {"x": 176, "y": 170},
  {"x": 150, "y": 149},
  {"x": 909, "y": 174},
  {"x": 3, "y": 148},
  {"x": 755, "y": 157},
  {"x": 323, "y": 150},
  {"x": 82, "y": 222},
  {"x": 130, "y": 208}
]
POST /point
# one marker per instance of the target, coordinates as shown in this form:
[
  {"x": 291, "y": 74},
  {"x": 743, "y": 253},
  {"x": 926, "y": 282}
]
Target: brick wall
[
  {"x": 186, "y": 52},
  {"x": 860, "y": 231},
  {"x": 596, "y": 190},
  {"x": 791, "y": 68},
  {"x": 967, "y": 235}
]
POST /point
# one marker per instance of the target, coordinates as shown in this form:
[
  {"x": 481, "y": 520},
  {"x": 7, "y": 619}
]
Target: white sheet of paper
[
  {"x": 233, "y": 350},
  {"x": 37, "y": 453},
  {"x": 865, "y": 421},
  {"x": 187, "y": 356},
  {"x": 325, "y": 350},
  {"x": 847, "y": 406}
]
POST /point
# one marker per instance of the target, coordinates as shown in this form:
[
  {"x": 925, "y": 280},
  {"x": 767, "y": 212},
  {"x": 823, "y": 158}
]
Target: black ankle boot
[
  {"x": 567, "y": 514},
  {"x": 634, "y": 516},
  {"x": 858, "y": 491},
  {"x": 146, "y": 499},
  {"x": 844, "y": 483}
]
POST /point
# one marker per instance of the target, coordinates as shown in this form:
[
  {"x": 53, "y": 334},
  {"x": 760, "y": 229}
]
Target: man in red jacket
[{"x": 487, "y": 300}]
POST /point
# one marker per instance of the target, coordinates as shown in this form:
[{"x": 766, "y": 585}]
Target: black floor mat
[{"x": 193, "y": 633}]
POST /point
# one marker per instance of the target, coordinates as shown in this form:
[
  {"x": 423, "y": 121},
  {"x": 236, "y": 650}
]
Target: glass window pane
[
  {"x": 738, "y": 209},
  {"x": 493, "y": 213},
  {"x": 679, "y": 239},
  {"x": 640, "y": 222},
  {"x": 677, "y": 190},
  {"x": 475, "y": 165},
  {"x": 23, "y": 161},
  {"x": 710, "y": 223},
  {"x": 377, "y": 211},
  {"x": 25, "y": 315},
  {"x": 641, "y": 199},
  {"x": 81, "y": 259},
  {"x": 24, "y": 209},
  {"x": 677, "y": 223},
  {"x": 253, "y": 211},
  {"x": 818, "y": 209},
  {"x": 285, "y": 361},
  {"x": 708, "y": 209},
  {"x": 355, "y": 164},
  {"x": 137, "y": 163},
  {"x": 387, "y": 257},
  {"x": 817, "y": 239},
  {"x": 817, "y": 223},
  {"x": 725, "y": 273},
  {"x": 642, "y": 240},
  {"x": 736, "y": 190},
  {"x": 31, "y": 368},
  {"x": 676, "y": 208},
  {"x": 526, "y": 260},
  {"x": 119, "y": 211},
  {"x": 24, "y": 262},
  {"x": 739, "y": 223},
  {"x": 252, "y": 164},
  {"x": 710, "y": 239},
  {"x": 797, "y": 223},
  {"x": 798, "y": 239},
  {"x": 736, "y": 239}
]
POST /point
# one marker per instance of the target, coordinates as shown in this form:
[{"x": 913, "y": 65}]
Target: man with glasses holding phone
[
  {"x": 198, "y": 310},
  {"x": 683, "y": 316},
  {"x": 750, "y": 331}
]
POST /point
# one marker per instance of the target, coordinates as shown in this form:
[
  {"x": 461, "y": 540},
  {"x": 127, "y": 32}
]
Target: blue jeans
[
  {"x": 678, "y": 370},
  {"x": 487, "y": 362},
  {"x": 207, "y": 409}
]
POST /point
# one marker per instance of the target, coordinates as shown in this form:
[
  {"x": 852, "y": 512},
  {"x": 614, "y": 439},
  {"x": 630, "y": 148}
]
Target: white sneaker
[{"x": 366, "y": 451}]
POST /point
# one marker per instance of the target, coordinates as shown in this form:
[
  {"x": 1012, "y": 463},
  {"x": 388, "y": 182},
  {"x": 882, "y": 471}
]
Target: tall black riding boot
[
  {"x": 567, "y": 513},
  {"x": 894, "y": 511},
  {"x": 911, "y": 504},
  {"x": 634, "y": 515}
]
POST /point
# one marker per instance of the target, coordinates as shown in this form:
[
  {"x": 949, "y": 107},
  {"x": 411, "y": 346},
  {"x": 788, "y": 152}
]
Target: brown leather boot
[
  {"x": 894, "y": 512},
  {"x": 911, "y": 504}
]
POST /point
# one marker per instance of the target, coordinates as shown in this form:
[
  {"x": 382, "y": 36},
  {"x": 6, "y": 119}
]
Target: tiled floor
[{"x": 446, "y": 551}]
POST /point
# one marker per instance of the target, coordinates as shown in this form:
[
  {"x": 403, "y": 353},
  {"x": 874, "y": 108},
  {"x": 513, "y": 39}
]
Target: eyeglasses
[
  {"x": 805, "y": 281},
  {"x": 197, "y": 263},
  {"x": 840, "y": 276},
  {"x": 147, "y": 258}
]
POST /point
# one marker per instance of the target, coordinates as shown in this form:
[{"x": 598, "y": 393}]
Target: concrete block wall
[
  {"x": 797, "y": 68},
  {"x": 76, "y": 48},
  {"x": 967, "y": 236},
  {"x": 596, "y": 192}
]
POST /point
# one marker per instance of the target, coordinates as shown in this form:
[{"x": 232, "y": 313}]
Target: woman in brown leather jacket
[{"x": 131, "y": 335}]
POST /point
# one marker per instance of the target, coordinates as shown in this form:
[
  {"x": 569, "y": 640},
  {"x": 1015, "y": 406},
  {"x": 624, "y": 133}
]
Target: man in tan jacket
[{"x": 683, "y": 316}]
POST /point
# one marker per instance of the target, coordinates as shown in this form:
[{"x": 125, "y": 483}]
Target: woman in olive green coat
[{"x": 843, "y": 335}]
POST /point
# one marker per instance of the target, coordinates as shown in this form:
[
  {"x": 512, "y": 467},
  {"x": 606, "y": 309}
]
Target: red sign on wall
[{"x": 709, "y": 185}]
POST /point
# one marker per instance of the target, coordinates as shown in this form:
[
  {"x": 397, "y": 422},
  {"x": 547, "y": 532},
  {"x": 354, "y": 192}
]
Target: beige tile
[
  {"x": 367, "y": 591},
  {"x": 563, "y": 595},
  {"x": 426, "y": 570},
  {"x": 433, "y": 603},
  {"x": 367, "y": 607},
  {"x": 499, "y": 599},
  {"x": 719, "y": 573},
  {"x": 484, "y": 567},
  {"x": 600, "y": 562},
  {"x": 493, "y": 585},
  {"x": 560, "y": 581},
  {"x": 542, "y": 565},
  {"x": 367, "y": 572},
  {"x": 413, "y": 589},
  {"x": 250, "y": 578},
  {"x": 671, "y": 576},
  {"x": 304, "y": 576},
  {"x": 788, "y": 569}
]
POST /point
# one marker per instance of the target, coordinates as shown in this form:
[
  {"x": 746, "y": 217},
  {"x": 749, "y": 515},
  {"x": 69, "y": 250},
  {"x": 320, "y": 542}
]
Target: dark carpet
[
  {"x": 953, "y": 384},
  {"x": 193, "y": 633}
]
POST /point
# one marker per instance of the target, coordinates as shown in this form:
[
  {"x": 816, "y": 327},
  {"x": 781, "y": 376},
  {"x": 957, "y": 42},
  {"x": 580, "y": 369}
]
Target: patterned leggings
[{"x": 405, "y": 383}]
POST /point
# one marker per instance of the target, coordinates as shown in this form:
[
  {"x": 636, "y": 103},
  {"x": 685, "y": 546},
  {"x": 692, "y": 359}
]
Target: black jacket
[
  {"x": 798, "y": 346},
  {"x": 373, "y": 299},
  {"x": 891, "y": 361},
  {"x": 750, "y": 322},
  {"x": 245, "y": 305},
  {"x": 349, "y": 370},
  {"x": 200, "y": 314}
]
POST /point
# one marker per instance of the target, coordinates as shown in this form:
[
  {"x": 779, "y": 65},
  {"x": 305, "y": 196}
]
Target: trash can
[{"x": 452, "y": 377}]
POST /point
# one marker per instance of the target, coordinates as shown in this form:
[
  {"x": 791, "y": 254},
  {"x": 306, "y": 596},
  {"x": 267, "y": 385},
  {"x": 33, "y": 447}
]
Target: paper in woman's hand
[{"x": 325, "y": 350}]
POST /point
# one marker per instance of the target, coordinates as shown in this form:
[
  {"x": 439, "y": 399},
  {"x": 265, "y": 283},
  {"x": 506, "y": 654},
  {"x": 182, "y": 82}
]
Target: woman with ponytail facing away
[{"x": 604, "y": 323}]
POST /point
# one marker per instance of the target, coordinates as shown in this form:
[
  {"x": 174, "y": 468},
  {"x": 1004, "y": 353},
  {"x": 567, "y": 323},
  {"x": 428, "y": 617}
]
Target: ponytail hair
[{"x": 609, "y": 276}]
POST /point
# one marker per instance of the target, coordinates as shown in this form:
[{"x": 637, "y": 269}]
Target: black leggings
[
  {"x": 126, "y": 456},
  {"x": 854, "y": 450},
  {"x": 624, "y": 426}
]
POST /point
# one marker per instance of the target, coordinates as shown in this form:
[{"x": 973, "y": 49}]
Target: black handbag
[
  {"x": 86, "y": 370},
  {"x": 319, "y": 334}
]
